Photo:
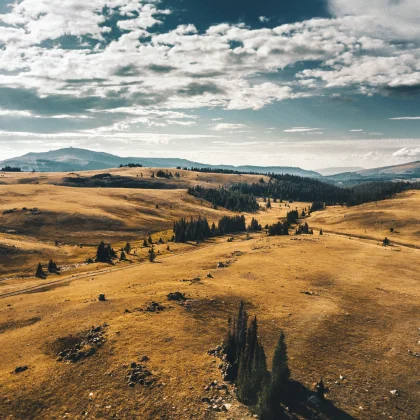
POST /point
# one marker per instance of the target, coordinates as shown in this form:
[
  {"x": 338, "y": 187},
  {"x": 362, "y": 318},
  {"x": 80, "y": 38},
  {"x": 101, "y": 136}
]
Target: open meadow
[{"x": 348, "y": 306}]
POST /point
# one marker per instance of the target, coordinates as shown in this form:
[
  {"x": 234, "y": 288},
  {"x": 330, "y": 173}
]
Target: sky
[{"x": 309, "y": 83}]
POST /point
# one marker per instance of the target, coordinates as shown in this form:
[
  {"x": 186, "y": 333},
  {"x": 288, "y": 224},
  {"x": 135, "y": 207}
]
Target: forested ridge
[{"x": 242, "y": 196}]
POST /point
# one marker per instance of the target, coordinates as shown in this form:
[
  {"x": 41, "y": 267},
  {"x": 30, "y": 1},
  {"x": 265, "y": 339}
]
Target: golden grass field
[{"x": 359, "y": 321}]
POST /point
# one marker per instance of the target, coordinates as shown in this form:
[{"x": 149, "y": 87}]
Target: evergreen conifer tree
[
  {"x": 152, "y": 255},
  {"x": 280, "y": 369},
  {"x": 40, "y": 272}
]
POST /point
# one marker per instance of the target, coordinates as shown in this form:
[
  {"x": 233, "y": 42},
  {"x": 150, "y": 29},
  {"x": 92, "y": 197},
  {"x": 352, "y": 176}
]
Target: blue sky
[{"x": 310, "y": 83}]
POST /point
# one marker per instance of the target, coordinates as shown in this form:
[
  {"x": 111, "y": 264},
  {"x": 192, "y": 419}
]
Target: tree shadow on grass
[{"x": 303, "y": 403}]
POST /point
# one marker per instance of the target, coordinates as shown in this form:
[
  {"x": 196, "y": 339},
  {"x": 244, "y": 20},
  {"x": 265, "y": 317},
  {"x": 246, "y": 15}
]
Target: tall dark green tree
[
  {"x": 39, "y": 272},
  {"x": 280, "y": 372}
]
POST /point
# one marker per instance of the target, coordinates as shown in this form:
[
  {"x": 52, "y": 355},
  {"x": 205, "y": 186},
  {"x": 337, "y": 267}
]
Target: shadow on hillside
[{"x": 300, "y": 404}]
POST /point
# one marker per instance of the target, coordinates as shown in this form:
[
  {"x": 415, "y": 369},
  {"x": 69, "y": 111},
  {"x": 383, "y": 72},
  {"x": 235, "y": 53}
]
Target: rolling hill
[
  {"x": 406, "y": 171},
  {"x": 74, "y": 159}
]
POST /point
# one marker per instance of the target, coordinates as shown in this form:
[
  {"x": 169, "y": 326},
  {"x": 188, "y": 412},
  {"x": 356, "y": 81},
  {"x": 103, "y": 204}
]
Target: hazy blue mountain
[
  {"x": 406, "y": 171},
  {"x": 73, "y": 159},
  {"x": 338, "y": 170}
]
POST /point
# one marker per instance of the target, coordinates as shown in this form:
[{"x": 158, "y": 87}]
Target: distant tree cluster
[
  {"x": 164, "y": 174},
  {"x": 255, "y": 384},
  {"x": 254, "y": 225},
  {"x": 292, "y": 217},
  {"x": 221, "y": 171},
  {"x": 317, "y": 205},
  {"x": 11, "y": 169},
  {"x": 292, "y": 187},
  {"x": 51, "y": 268},
  {"x": 304, "y": 230},
  {"x": 227, "y": 198},
  {"x": 232, "y": 224},
  {"x": 375, "y": 191},
  {"x": 105, "y": 253},
  {"x": 199, "y": 229},
  {"x": 278, "y": 229},
  {"x": 131, "y": 165},
  {"x": 192, "y": 230}
]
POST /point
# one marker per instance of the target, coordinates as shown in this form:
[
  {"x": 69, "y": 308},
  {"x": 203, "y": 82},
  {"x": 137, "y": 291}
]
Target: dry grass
[
  {"x": 359, "y": 323},
  {"x": 374, "y": 220}
]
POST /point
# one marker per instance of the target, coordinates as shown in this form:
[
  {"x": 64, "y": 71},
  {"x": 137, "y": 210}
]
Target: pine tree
[
  {"x": 321, "y": 232},
  {"x": 321, "y": 390},
  {"x": 145, "y": 244},
  {"x": 152, "y": 255},
  {"x": 150, "y": 240},
  {"x": 52, "y": 267},
  {"x": 40, "y": 272},
  {"x": 122, "y": 256},
  {"x": 280, "y": 369},
  {"x": 127, "y": 247}
]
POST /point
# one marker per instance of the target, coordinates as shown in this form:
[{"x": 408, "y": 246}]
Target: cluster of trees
[
  {"x": 229, "y": 224},
  {"x": 254, "y": 225},
  {"x": 11, "y": 169},
  {"x": 221, "y": 171},
  {"x": 51, "y": 267},
  {"x": 278, "y": 229},
  {"x": 375, "y": 191},
  {"x": 105, "y": 253},
  {"x": 131, "y": 165},
  {"x": 255, "y": 384},
  {"x": 227, "y": 198},
  {"x": 199, "y": 229},
  {"x": 292, "y": 217},
  {"x": 167, "y": 174},
  {"x": 292, "y": 187},
  {"x": 317, "y": 205},
  {"x": 192, "y": 230},
  {"x": 304, "y": 230}
]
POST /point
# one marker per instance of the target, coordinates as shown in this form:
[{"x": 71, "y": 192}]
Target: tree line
[
  {"x": 199, "y": 229},
  {"x": 296, "y": 188},
  {"x": 227, "y": 198},
  {"x": 11, "y": 169}
]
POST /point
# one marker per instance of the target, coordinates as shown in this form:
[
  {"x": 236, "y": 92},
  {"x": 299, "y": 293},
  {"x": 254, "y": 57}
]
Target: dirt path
[{"x": 95, "y": 273}]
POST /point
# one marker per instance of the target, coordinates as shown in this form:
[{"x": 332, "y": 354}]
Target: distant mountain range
[
  {"x": 338, "y": 170},
  {"x": 73, "y": 159},
  {"x": 406, "y": 171}
]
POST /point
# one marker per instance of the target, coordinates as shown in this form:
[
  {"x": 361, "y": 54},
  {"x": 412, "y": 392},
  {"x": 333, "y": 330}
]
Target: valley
[{"x": 348, "y": 306}]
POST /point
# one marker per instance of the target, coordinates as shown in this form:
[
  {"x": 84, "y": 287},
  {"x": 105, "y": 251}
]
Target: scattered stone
[
  {"x": 154, "y": 307},
  {"x": 177, "y": 296},
  {"x": 20, "y": 369},
  {"x": 139, "y": 374},
  {"x": 308, "y": 292},
  {"x": 86, "y": 345}
]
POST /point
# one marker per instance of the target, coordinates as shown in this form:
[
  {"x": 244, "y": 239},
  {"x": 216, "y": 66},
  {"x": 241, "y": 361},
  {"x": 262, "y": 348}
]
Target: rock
[
  {"x": 20, "y": 369},
  {"x": 395, "y": 392},
  {"x": 177, "y": 296},
  {"x": 154, "y": 307},
  {"x": 101, "y": 298},
  {"x": 220, "y": 265},
  {"x": 144, "y": 359},
  {"x": 209, "y": 276}
]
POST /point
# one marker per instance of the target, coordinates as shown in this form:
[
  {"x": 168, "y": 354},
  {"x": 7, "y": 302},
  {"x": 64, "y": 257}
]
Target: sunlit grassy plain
[{"x": 358, "y": 322}]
